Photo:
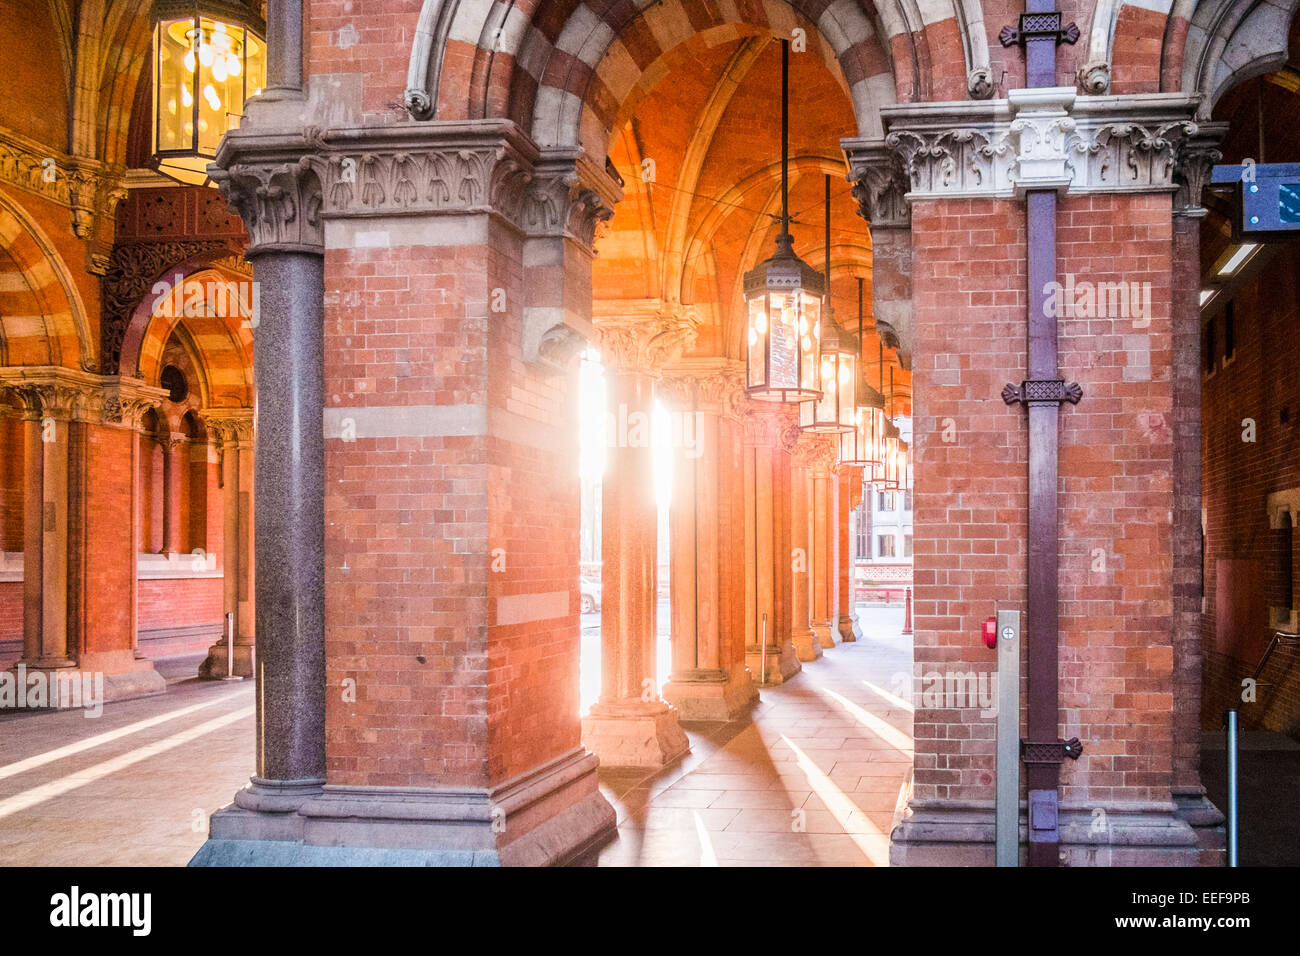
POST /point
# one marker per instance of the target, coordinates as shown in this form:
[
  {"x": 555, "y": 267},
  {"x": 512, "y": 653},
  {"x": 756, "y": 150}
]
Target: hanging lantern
[
  {"x": 863, "y": 445},
  {"x": 208, "y": 59},
  {"x": 783, "y": 301},
  {"x": 895, "y": 458},
  {"x": 835, "y": 410}
]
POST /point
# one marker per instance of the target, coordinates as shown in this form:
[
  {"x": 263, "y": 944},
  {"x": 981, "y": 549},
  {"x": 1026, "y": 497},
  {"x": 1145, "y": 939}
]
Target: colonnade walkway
[{"x": 815, "y": 778}]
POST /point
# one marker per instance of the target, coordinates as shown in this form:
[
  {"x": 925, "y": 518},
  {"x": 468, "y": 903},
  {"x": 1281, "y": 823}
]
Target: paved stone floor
[{"x": 814, "y": 779}]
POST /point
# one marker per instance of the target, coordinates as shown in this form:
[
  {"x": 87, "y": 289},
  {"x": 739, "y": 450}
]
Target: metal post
[
  {"x": 763, "y": 648},
  {"x": 1230, "y": 726},
  {"x": 230, "y": 647},
  {"x": 907, "y": 613},
  {"x": 1007, "y": 813}
]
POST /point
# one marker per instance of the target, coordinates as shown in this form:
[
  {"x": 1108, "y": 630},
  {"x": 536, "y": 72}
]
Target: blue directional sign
[{"x": 1266, "y": 197}]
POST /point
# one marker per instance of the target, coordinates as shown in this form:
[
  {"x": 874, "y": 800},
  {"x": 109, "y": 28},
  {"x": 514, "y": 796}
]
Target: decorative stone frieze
[
  {"x": 71, "y": 395},
  {"x": 1040, "y": 138},
  {"x": 90, "y": 189}
]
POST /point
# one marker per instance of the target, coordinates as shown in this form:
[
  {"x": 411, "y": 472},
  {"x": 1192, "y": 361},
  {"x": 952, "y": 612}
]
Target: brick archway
[{"x": 42, "y": 319}]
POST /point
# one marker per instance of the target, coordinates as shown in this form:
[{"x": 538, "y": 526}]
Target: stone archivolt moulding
[{"x": 1037, "y": 139}]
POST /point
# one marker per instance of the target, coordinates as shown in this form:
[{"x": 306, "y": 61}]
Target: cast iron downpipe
[{"x": 1042, "y": 392}]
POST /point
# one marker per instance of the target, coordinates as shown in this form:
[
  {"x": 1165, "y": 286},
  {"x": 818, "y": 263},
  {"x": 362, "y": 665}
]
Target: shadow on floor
[{"x": 1268, "y": 779}]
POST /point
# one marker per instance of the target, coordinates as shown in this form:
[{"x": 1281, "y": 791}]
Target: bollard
[{"x": 1230, "y": 728}]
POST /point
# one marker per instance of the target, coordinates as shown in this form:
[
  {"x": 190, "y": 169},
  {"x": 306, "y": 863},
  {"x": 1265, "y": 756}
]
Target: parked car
[{"x": 589, "y": 588}]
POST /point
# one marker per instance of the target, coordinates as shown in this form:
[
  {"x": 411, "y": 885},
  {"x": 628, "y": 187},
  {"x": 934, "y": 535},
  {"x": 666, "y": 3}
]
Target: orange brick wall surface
[{"x": 1115, "y": 488}]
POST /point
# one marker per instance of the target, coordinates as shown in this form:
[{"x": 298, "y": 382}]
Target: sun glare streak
[
  {"x": 707, "y": 856},
  {"x": 841, "y": 806},
  {"x": 892, "y": 698},
  {"x": 73, "y": 781},
  {"x": 40, "y": 760},
  {"x": 885, "y": 731}
]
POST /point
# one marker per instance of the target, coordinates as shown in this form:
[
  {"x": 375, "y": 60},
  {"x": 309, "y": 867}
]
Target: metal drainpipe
[{"x": 1043, "y": 750}]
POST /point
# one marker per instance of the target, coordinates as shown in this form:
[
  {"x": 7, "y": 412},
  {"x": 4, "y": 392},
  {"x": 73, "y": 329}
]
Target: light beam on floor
[
  {"x": 56, "y": 788},
  {"x": 49, "y": 756},
  {"x": 707, "y": 856},
  {"x": 841, "y": 807},
  {"x": 881, "y": 728},
  {"x": 892, "y": 698}
]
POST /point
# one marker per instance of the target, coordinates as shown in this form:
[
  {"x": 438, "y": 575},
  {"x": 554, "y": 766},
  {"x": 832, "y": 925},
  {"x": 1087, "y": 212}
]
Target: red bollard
[{"x": 907, "y": 613}]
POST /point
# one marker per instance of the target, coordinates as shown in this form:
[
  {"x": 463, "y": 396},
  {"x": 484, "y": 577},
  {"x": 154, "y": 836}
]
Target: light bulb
[
  {"x": 807, "y": 344},
  {"x": 845, "y": 374},
  {"x": 803, "y": 326},
  {"x": 760, "y": 323},
  {"x": 232, "y": 65},
  {"x": 210, "y": 94},
  {"x": 753, "y": 337},
  {"x": 171, "y": 106},
  {"x": 189, "y": 62},
  {"x": 187, "y": 98},
  {"x": 219, "y": 69},
  {"x": 206, "y": 54},
  {"x": 817, "y": 331}
]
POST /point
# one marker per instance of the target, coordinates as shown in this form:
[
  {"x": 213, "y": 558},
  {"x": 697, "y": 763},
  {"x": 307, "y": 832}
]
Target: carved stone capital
[
  {"x": 1195, "y": 158},
  {"x": 879, "y": 180},
  {"x": 568, "y": 196},
  {"x": 39, "y": 392},
  {"x": 230, "y": 426},
  {"x": 280, "y": 203},
  {"x": 1040, "y": 138},
  {"x": 645, "y": 344},
  {"x": 715, "y": 386}
]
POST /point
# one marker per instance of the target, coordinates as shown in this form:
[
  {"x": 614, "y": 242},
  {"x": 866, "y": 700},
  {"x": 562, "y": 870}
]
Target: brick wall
[
  {"x": 445, "y": 695},
  {"x": 1245, "y": 559},
  {"x": 1115, "y": 488}
]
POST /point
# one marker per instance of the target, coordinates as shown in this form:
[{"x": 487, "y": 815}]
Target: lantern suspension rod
[
  {"x": 827, "y": 179},
  {"x": 785, "y": 139}
]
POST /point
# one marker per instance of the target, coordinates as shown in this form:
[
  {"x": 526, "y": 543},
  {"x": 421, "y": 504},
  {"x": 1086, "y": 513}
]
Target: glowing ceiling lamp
[
  {"x": 834, "y": 412},
  {"x": 208, "y": 59}
]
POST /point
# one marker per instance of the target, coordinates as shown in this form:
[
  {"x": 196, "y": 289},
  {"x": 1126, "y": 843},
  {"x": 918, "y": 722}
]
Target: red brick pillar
[
  {"x": 825, "y": 615},
  {"x": 848, "y": 487},
  {"x": 174, "y": 448},
  {"x": 709, "y": 679},
  {"x": 456, "y": 296},
  {"x": 47, "y": 438},
  {"x": 233, "y": 433},
  {"x": 631, "y": 725},
  {"x": 771, "y": 432},
  {"x": 803, "y": 554}
]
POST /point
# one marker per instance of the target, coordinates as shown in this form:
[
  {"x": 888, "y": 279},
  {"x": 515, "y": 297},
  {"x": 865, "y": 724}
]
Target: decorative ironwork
[
  {"x": 1042, "y": 392},
  {"x": 1039, "y": 26},
  {"x": 1049, "y": 752}
]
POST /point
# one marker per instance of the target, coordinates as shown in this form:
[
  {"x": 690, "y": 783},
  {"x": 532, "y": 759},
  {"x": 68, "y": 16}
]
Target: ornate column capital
[
  {"x": 280, "y": 203},
  {"x": 232, "y": 427},
  {"x": 1195, "y": 157},
  {"x": 879, "y": 180},
  {"x": 638, "y": 341},
  {"x": 72, "y": 395},
  {"x": 712, "y": 385}
]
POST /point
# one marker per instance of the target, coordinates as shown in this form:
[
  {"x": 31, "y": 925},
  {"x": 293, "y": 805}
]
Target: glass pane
[
  {"x": 847, "y": 382},
  {"x": 757, "y": 339},
  {"x": 174, "y": 86},
  {"x": 784, "y": 340},
  {"x": 809, "y": 345}
]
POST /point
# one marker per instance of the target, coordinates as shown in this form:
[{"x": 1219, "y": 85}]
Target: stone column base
[
  {"x": 781, "y": 664},
  {"x": 550, "y": 816},
  {"x": 1193, "y": 806},
  {"x": 214, "y": 665},
  {"x": 125, "y": 675},
  {"x": 825, "y": 634},
  {"x": 634, "y": 734},
  {"x": 711, "y": 695},
  {"x": 961, "y": 833},
  {"x": 849, "y": 630},
  {"x": 807, "y": 646}
]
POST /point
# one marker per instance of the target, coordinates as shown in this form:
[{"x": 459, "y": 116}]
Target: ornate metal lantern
[
  {"x": 783, "y": 301},
  {"x": 208, "y": 59}
]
